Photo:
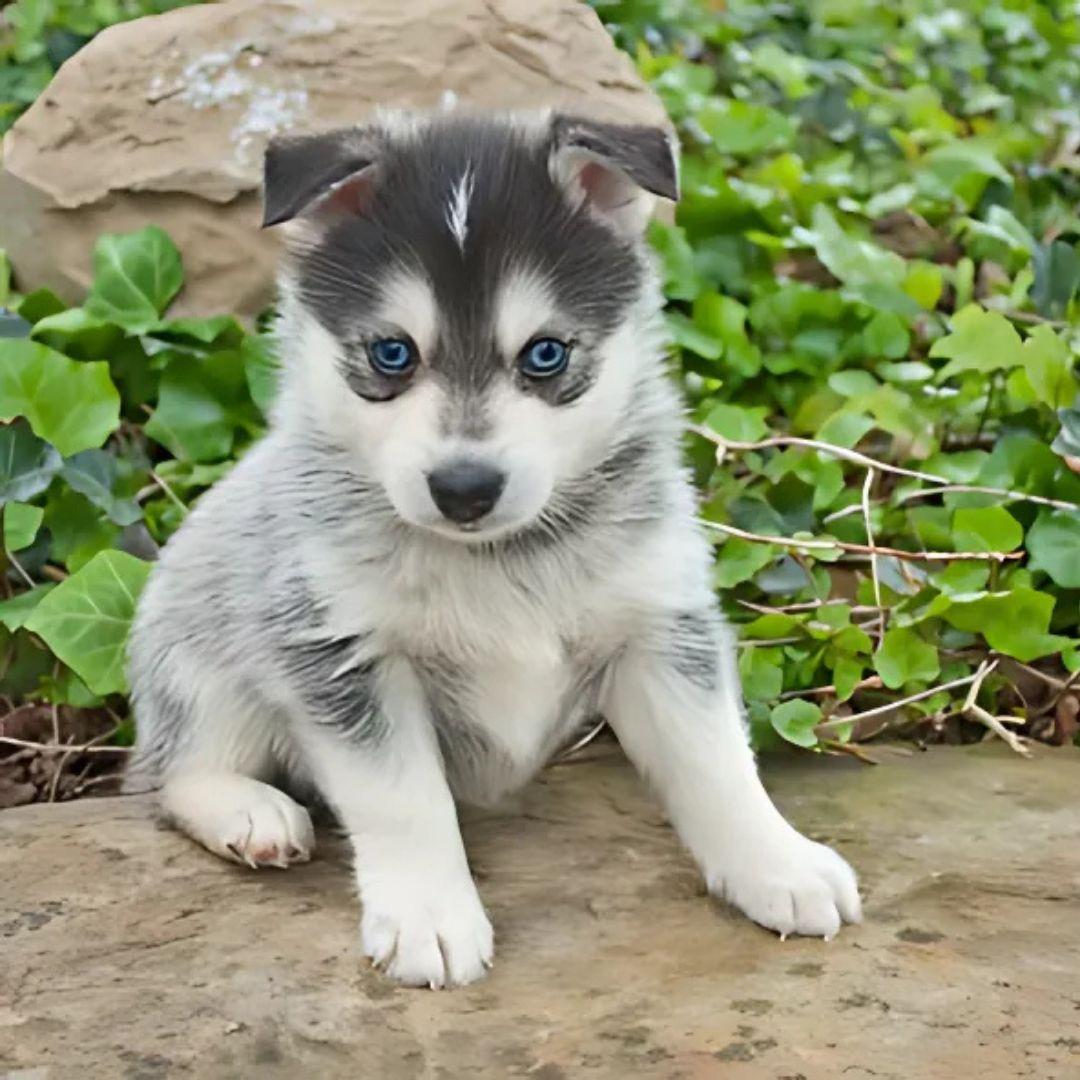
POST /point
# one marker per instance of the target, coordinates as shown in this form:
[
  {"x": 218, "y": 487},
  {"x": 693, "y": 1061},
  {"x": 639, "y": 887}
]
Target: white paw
[
  {"x": 791, "y": 885},
  {"x": 427, "y": 936},
  {"x": 240, "y": 819}
]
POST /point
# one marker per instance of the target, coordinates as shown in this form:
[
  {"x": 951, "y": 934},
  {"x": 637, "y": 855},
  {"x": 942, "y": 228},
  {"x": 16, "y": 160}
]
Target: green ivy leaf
[
  {"x": 980, "y": 341},
  {"x": 17, "y": 609},
  {"x": 85, "y": 620},
  {"x": 95, "y": 474},
  {"x": 1057, "y": 277},
  {"x": 1054, "y": 544},
  {"x": 21, "y": 524},
  {"x": 70, "y": 404},
  {"x": 1067, "y": 442},
  {"x": 1016, "y": 622},
  {"x": 761, "y": 671},
  {"x": 1048, "y": 369},
  {"x": 78, "y": 333},
  {"x": 220, "y": 330},
  {"x": 78, "y": 529},
  {"x": 262, "y": 370},
  {"x": 852, "y": 260},
  {"x": 688, "y": 336},
  {"x": 27, "y": 464},
  {"x": 904, "y": 657},
  {"x": 136, "y": 275},
  {"x": 886, "y": 335},
  {"x": 846, "y": 675},
  {"x": 988, "y": 528},
  {"x": 795, "y": 720},
  {"x": 677, "y": 264},
  {"x": 202, "y": 403},
  {"x": 739, "y": 560},
  {"x": 40, "y": 304},
  {"x": 737, "y": 423},
  {"x": 742, "y": 128}
]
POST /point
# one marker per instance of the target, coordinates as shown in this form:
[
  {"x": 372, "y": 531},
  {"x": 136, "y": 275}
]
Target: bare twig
[
  {"x": 867, "y": 462},
  {"x": 1065, "y": 687},
  {"x": 808, "y": 605},
  {"x": 978, "y": 489},
  {"x": 813, "y": 444},
  {"x": 871, "y": 682},
  {"x": 169, "y": 491},
  {"x": 867, "y": 549},
  {"x": 94, "y": 781},
  {"x": 19, "y": 568},
  {"x": 853, "y": 749},
  {"x": 1031, "y": 317},
  {"x": 832, "y": 725},
  {"x": 867, "y": 487},
  {"x": 759, "y": 643},
  {"x": 995, "y": 723},
  {"x": 71, "y": 751},
  {"x": 86, "y": 748}
]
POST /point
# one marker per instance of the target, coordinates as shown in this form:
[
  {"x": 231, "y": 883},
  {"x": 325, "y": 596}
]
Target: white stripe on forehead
[
  {"x": 524, "y": 307},
  {"x": 408, "y": 303},
  {"x": 457, "y": 210}
]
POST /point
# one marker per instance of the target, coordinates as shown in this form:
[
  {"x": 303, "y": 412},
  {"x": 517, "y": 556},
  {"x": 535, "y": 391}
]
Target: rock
[
  {"x": 129, "y": 952},
  {"x": 164, "y": 119}
]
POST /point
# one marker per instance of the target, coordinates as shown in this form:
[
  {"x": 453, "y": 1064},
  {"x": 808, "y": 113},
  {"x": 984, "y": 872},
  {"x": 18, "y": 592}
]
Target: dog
[{"x": 466, "y": 533}]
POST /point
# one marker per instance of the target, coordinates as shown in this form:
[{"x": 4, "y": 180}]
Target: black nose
[{"x": 465, "y": 491}]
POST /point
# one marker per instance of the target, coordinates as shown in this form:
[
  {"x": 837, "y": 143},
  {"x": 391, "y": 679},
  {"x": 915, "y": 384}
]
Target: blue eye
[
  {"x": 544, "y": 357},
  {"x": 392, "y": 356}
]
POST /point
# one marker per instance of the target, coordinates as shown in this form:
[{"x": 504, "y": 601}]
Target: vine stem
[
  {"x": 832, "y": 725},
  {"x": 868, "y": 485},
  {"x": 86, "y": 748},
  {"x": 995, "y": 723},
  {"x": 943, "y": 483},
  {"x": 866, "y": 549}
]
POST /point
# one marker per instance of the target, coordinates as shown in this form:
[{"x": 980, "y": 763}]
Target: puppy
[{"x": 466, "y": 532}]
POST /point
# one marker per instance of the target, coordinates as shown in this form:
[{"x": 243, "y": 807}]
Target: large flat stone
[{"x": 125, "y": 951}]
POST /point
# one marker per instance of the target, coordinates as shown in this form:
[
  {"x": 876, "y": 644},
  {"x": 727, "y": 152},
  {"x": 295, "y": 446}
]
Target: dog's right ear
[{"x": 328, "y": 174}]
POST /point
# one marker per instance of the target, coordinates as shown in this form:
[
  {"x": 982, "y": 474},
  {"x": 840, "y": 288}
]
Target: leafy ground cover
[{"x": 872, "y": 284}]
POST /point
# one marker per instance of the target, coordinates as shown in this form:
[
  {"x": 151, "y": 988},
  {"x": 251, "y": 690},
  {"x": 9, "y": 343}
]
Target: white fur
[{"x": 457, "y": 210}]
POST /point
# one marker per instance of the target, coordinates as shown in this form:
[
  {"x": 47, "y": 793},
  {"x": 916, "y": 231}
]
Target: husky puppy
[{"x": 466, "y": 533}]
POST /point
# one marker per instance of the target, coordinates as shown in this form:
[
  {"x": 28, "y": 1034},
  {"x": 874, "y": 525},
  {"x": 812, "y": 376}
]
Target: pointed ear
[
  {"x": 615, "y": 169},
  {"x": 330, "y": 173}
]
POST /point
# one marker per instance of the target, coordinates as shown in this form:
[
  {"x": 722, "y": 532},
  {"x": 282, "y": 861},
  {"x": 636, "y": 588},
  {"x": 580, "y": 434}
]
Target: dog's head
[{"x": 462, "y": 299}]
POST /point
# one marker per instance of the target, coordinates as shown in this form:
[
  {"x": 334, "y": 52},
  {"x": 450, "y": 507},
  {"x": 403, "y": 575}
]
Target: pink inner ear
[
  {"x": 605, "y": 188},
  {"x": 353, "y": 195}
]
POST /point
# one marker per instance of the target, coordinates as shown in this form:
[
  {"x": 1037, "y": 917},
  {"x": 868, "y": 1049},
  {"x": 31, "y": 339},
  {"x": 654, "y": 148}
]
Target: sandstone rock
[
  {"x": 164, "y": 119},
  {"x": 126, "y": 951}
]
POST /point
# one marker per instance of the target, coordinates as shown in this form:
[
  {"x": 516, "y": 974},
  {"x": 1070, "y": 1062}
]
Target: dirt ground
[{"x": 127, "y": 952}]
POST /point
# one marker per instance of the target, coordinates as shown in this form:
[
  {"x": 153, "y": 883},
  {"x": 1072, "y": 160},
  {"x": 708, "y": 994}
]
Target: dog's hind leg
[{"x": 210, "y": 753}]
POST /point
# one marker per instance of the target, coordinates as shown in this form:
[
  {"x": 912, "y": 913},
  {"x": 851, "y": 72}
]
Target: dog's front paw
[
  {"x": 791, "y": 885},
  {"x": 429, "y": 937}
]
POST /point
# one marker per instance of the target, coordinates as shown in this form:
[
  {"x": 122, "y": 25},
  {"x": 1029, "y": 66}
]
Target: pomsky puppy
[{"x": 466, "y": 533}]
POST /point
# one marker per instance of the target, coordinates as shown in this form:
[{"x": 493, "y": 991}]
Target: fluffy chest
[{"x": 508, "y": 655}]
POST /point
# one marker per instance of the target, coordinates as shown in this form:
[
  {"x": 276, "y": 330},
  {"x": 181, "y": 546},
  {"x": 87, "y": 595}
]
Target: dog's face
[{"x": 461, "y": 292}]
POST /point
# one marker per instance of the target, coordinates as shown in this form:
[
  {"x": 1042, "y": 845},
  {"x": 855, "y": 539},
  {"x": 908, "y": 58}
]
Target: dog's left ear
[
  {"x": 319, "y": 175},
  {"x": 614, "y": 169}
]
